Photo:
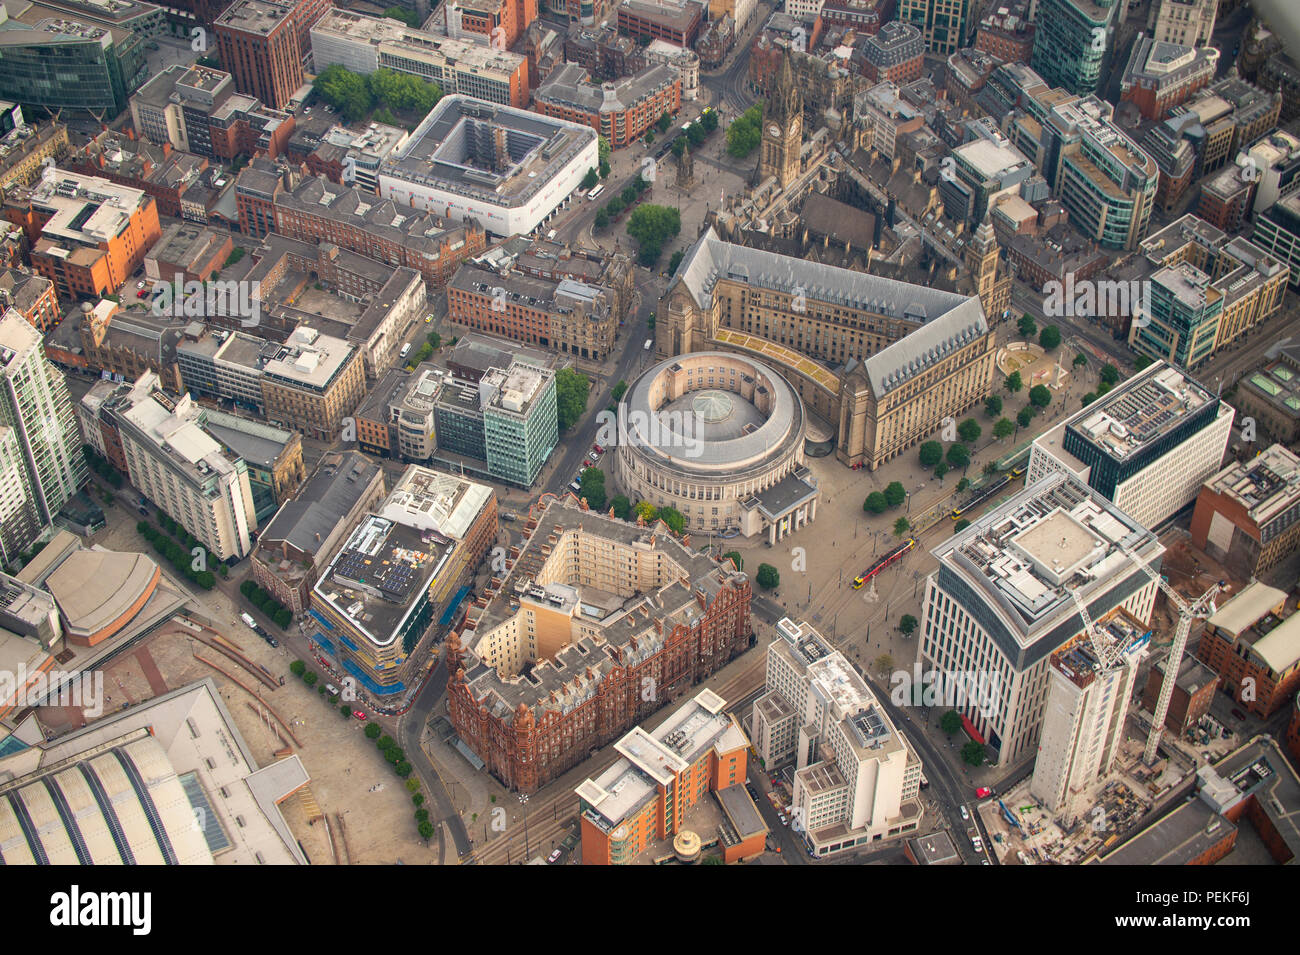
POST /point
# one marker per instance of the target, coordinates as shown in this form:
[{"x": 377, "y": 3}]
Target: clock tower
[{"x": 782, "y": 128}]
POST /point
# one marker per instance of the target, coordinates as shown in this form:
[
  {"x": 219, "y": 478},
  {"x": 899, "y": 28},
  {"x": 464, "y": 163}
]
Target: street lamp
[{"x": 523, "y": 801}]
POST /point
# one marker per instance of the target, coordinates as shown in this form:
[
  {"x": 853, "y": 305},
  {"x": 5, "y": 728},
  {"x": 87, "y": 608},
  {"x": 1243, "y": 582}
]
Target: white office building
[
  {"x": 1000, "y": 605},
  {"x": 1147, "y": 446},
  {"x": 856, "y": 778}
]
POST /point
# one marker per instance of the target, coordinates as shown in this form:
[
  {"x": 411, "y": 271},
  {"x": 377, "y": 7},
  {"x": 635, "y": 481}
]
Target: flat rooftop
[
  {"x": 397, "y": 39},
  {"x": 84, "y": 210},
  {"x": 1054, "y": 535},
  {"x": 1139, "y": 411},
  {"x": 256, "y": 16},
  {"x": 454, "y": 148},
  {"x": 309, "y": 358},
  {"x": 429, "y": 500}
]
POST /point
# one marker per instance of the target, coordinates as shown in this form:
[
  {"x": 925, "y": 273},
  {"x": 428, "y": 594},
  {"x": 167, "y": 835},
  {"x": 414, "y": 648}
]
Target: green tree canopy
[
  {"x": 589, "y": 180},
  {"x": 901, "y": 526},
  {"x": 652, "y": 226},
  {"x": 1004, "y": 428},
  {"x": 930, "y": 453},
  {"x": 1049, "y": 337},
  {"x": 673, "y": 518},
  {"x": 993, "y": 406},
  {"x": 1024, "y": 416},
  {"x": 1013, "y": 382},
  {"x": 1109, "y": 373},
  {"x": 622, "y": 507},
  {"x": 907, "y": 624},
  {"x": 1040, "y": 396},
  {"x": 875, "y": 503},
  {"x": 592, "y": 487},
  {"x": 969, "y": 431},
  {"x": 1026, "y": 325},
  {"x": 571, "y": 391},
  {"x": 735, "y": 558},
  {"x": 895, "y": 494},
  {"x": 958, "y": 456},
  {"x": 973, "y": 753},
  {"x": 767, "y": 576},
  {"x": 746, "y": 132},
  {"x": 950, "y": 722}
]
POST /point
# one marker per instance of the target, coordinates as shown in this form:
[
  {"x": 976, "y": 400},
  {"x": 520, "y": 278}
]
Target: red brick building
[
  {"x": 258, "y": 41},
  {"x": 31, "y": 296},
  {"x": 865, "y": 17},
  {"x": 1255, "y": 650},
  {"x": 581, "y": 695},
  {"x": 503, "y": 22},
  {"x": 678, "y": 23},
  {"x": 1156, "y": 84},
  {"x": 1193, "y": 693},
  {"x": 621, "y": 111},
  {"x": 1226, "y": 198},
  {"x": 1006, "y": 32},
  {"x": 895, "y": 54}
]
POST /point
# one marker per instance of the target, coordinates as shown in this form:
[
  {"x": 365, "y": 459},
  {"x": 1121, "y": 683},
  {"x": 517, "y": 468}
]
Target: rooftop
[
  {"x": 948, "y": 321},
  {"x": 396, "y": 40},
  {"x": 1140, "y": 411},
  {"x": 309, "y": 358},
  {"x": 256, "y": 16},
  {"x": 1055, "y": 535},
  {"x": 1267, "y": 486},
  {"x": 455, "y": 148},
  {"x": 570, "y": 85},
  {"x": 85, "y": 210},
  {"x": 324, "y": 500},
  {"x": 1278, "y": 380}
]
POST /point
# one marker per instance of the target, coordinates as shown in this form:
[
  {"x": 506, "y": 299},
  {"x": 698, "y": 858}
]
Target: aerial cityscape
[{"x": 650, "y": 432}]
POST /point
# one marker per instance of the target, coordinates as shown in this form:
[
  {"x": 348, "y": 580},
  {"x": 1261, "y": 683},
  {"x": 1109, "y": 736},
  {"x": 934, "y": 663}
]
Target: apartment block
[
  {"x": 259, "y": 45},
  {"x": 305, "y": 532},
  {"x": 678, "y": 22},
  {"x": 36, "y": 405},
  {"x": 1147, "y": 446},
  {"x": 1007, "y": 31},
  {"x": 365, "y": 44},
  {"x": 1255, "y": 649},
  {"x": 88, "y": 235},
  {"x": 660, "y": 776},
  {"x": 946, "y": 25},
  {"x": 1000, "y": 603},
  {"x": 894, "y": 54},
  {"x": 592, "y": 607},
  {"x": 1073, "y": 41},
  {"x": 273, "y": 457},
  {"x": 24, "y": 146},
  {"x": 384, "y": 598},
  {"x": 621, "y": 111},
  {"x": 1083, "y": 721},
  {"x": 31, "y": 296},
  {"x": 176, "y": 464},
  {"x": 856, "y": 778},
  {"x": 1248, "y": 514}
]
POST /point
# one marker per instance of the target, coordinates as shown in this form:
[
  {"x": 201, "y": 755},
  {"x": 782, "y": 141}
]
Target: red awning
[{"x": 970, "y": 729}]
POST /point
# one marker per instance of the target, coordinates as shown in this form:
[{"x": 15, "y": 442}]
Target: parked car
[
  {"x": 554, "y": 857},
  {"x": 598, "y": 449},
  {"x": 964, "y": 813},
  {"x": 359, "y": 715},
  {"x": 983, "y": 792},
  {"x": 575, "y": 487}
]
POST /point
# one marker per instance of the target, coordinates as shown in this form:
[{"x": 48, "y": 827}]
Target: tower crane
[
  {"x": 1201, "y": 607},
  {"x": 1107, "y": 651}
]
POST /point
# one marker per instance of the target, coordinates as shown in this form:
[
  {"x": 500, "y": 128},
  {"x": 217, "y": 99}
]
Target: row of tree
[
  {"x": 746, "y": 132},
  {"x": 101, "y": 466},
  {"x": 266, "y": 603},
  {"x": 355, "y": 96},
  {"x": 571, "y": 392}
]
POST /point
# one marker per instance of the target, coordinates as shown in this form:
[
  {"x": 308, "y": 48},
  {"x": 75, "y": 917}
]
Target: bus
[
  {"x": 894, "y": 555},
  {"x": 980, "y": 497},
  {"x": 595, "y": 193}
]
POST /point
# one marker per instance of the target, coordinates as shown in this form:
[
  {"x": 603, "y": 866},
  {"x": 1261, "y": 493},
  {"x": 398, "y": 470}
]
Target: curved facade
[{"x": 721, "y": 438}]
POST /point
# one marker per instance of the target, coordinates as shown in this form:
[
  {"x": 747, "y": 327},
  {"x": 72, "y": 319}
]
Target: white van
[
  {"x": 550, "y": 236},
  {"x": 406, "y": 350},
  {"x": 649, "y": 343}
]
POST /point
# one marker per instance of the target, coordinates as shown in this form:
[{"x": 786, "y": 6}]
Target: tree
[
  {"x": 603, "y": 148},
  {"x": 958, "y": 456},
  {"x": 673, "y": 518},
  {"x": 960, "y": 525},
  {"x": 696, "y": 134},
  {"x": 993, "y": 406},
  {"x": 768, "y": 577},
  {"x": 969, "y": 431},
  {"x": 1040, "y": 396},
  {"x": 345, "y": 91},
  {"x": 664, "y": 122},
  {"x": 735, "y": 558},
  {"x": 652, "y": 226},
  {"x": 1024, "y": 416},
  {"x": 1103, "y": 387},
  {"x": 746, "y": 132},
  {"x": 592, "y": 487},
  {"x": 930, "y": 453},
  {"x": 876, "y": 503},
  {"x": 629, "y": 194},
  {"x": 963, "y": 484},
  {"x": 950, "y": 722},
  {"x": 615, "y": 206},
  {"x": 675, "y": 261},
  {"x": 297, "y": 668},
  {"x": 709, "y": 120},
  {"x": 1109, "y": 373},
  {"x": 973, "y": 753},
  {"x": 406, "y": 16},
  {"x": 884, "y": 663},
  {"x": 310, "y": 678},
  {"x": 679, "y": 146},
  {"x": 1087, "y": 399},
  {"x": 622, "y": 507},
  {"x": 1004, "y": 428},
  {"x": 1013, "y": 382},
  {"x": 571, "y": 391},
  {"x": 907, "y": 624},
  {"x": 645, "y": 510},
  {"x": 403, "y": 769},
  {"x": 1027, "y": 326},
  {"x": 435, "y": 340},
  {"x": 589, "y": 180},
  {"x": 941, "y": 469},
  {"x": 1080, "y": 360},
  {"x": 373, "y": 731},
  {"x": 901, "y": 527},
  {"x": 1141, "y": 362},
  {"x": 1049, "y": 337},
  {"x": 602, "y": 219},
  {"x": 345, "y": 709},
  {"x": 417, "y": 799},
  {"x": 426, "y": 831},
  {"x": 895, "y": 495}
]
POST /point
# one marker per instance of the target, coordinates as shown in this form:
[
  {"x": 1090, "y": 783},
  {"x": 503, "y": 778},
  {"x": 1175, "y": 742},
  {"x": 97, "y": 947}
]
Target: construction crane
[
  {"x": 1201, "y": 607},
  {"x": 1107, "y": 651}
]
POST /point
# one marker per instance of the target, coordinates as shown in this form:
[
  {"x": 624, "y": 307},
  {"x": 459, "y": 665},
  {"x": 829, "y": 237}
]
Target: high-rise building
[
  {"x": 258, "y": 41},
  {"x": 1083, "y": 722},
  {"x": 1000, "y": 603},
  {"x": 1185, "y": 22},
  {"x": 35, "y": 403},
  {"x": 1073, "y": 40},
  {"x": 1248, "y": 515},
  {"x": 520, "y": 423},
  {"x": 174, "y": 462},
  {"x": 1146, "y": 446},
  {"x": 856, "y": 778},
  {"x": 20, "y": 524},
  {"x": 947, "y": 25}
]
